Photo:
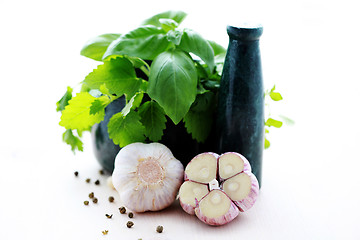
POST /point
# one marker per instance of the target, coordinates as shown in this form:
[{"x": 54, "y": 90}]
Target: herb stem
[{"x": 145, "y": 69}]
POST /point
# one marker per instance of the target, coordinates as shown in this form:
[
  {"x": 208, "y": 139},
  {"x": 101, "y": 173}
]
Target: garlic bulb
[{"x": 147, "y": 176}]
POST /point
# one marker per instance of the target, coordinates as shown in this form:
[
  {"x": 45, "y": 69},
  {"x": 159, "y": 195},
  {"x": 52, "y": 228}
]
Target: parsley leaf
[
  {"x": 153, "y": 118},
  {"x": 118, "y": 75},
  {"x": 124, "y": 130},
  {"x": 72, "y": 140},
  {"x": 61, "y": 104},
  {"x": 77, "y": 115},
  {"x": 99, "y": 105},
  {"x": 199, "y": 119}
]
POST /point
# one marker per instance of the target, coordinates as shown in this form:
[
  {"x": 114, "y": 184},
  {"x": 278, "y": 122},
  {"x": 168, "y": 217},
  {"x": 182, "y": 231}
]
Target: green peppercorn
[
  {"x": 95, "y": 200},
  {"x": 91, "y": 195},
  {"x": 97, "y": 182},
  {"x": 129, "y": 224},
  {"x": 159, "y": 229},
  {"x": 86, "y": 203},
  {"x": 131, "y": 215},
  {"x": 111, "y": 199},
  {"x": 122, "y": 210}
]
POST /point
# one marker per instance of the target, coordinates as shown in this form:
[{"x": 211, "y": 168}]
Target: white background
[{"x": 310, "y": 50}]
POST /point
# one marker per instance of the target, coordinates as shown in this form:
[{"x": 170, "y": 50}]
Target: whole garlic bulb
[{"x": 147, "y": 176}]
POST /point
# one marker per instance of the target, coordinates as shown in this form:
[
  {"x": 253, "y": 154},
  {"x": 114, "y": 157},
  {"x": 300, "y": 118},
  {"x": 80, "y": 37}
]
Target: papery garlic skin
[{"x": 147, "y": 176}]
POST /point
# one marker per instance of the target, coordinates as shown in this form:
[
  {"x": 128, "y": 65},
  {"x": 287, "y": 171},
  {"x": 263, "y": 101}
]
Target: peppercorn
[
  {"x": 108, "y": 216},
  {"x": 129, "y": 224},
  {"x": 105, "y": 232},
  {"x": 76, "y": 173},
  {"x": 122, "y": 210},
  {"x": 111, "y": 199},
  {"x": 95, "y": 200},
  {"x": 101, "y": 172},
  {"x": 87, "y": 180},
  {"x": 159, "y": 229},
  {"x": 86, "y": 203},
  {"x": 131, "y": 215},
  {"x": 97, "y": 182},
  {"x": 91, "y": 195}
]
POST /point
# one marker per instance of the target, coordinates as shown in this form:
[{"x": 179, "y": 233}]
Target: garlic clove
[
  {"x": 232, "y": 163},
  {"x": 189, "y": 193},
  {"x": 243, "y": 189},
  {"x": 202, "y": 168},
  {"x": 147, "y": 176},
  {"x": 216, "y": 208}
]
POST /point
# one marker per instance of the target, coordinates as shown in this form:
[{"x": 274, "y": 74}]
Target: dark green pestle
[{"x": 240, "y": 117}]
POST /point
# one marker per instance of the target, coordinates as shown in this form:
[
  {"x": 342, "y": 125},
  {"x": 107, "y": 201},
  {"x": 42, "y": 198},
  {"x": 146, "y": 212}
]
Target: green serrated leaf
[
  {"x": 153, "y": 118},
  {"x": 64, "y": 101},
  {"x": 96, "y": 47},
  {"x": 177, "y": 16},
  {"x": 173, "y": 83},
  {"x": 174, "y": 36},
  {"x": 193, "y": 42},
  {"x": 77, "y": 115},
  {"x": 270, "y": 122},
  {"x": 199, "y": 119},
  {"x": 118, "y": 75},
  {"x": 124, "y": 130},
  {"x": 145, "y": 42},
  {"x": 99, "y": 105},
  {"x": 133, "y": 103},
  {"x": 72, "y": 140}
]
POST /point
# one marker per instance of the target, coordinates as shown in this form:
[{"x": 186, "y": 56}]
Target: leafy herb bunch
[
  {"x": 163, "y": 71},
  {"x": 180, "y": 76}
]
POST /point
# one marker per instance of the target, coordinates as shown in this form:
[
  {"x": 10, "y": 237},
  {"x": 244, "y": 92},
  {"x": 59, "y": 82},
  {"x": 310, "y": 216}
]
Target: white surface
[{"x": 310, "y": 49}]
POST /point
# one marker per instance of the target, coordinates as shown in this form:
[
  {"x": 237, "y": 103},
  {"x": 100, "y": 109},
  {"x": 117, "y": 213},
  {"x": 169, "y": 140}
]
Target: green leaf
[
  {"x": 99, "y": 105},
  {"x": 63, "y": 102},
  {"x": 118, "y": 75},
  {"x": 266, "y": 144},
  {"x": 174, "y": 36},
  {"x": 275, "y": 96},
  {"x": 124, "y": 130},
  {"x": 153, "y": 118},
  {"x": 177, "y": 16},
  {"x": 288, "y": 121},
  {"x": 133, "y": 103},
  {"x": 96, "y": 47},
  {"x": 145, "y": 42},
  {"x": 218, "y": 49},
  {"x": 173, "y": 83},
  {"x": 270, "y": 122},
  {"x": 72, "y": 140},
  {"x": 168, "y": 24},
  {"x": 199, "y": 119},
  {"x": 77, "y": 115},
  {"x": 193, "y": 42}
]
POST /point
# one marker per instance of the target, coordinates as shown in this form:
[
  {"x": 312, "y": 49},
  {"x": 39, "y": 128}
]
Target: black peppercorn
[
  {"x": 159, "y": 229},
  {"x": 129, "y": 224}
]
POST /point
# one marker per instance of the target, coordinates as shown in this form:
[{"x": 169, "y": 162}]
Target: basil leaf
[
  {"x": 191, "y": 41},
  {"x": 145, "y": 42},
  {"x": 118, "y": 75},
  {"x": 172, "y": 83},
  {"x": 218, "y": 49},
  {"x": 124, "y": 130},
  {"x": 168, "y": 24},
  {"x": 96, "y": 47},
  {"x": 153, "y": 118},
  {"x": 177, "y": 16},
  {"x": 174, "y": 36}
]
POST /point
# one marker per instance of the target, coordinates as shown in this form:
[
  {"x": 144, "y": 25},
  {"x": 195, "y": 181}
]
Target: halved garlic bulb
[{"x": 147, "y": 176}]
